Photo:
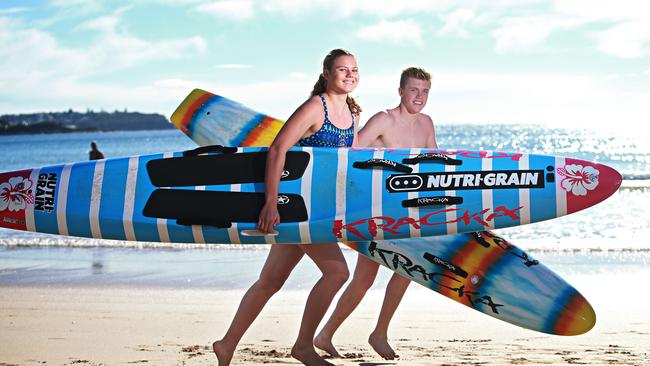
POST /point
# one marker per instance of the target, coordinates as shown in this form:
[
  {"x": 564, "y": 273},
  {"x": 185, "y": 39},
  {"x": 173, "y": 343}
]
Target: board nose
[
  {"x": 578, "y": 317},
  {"x": 587, "y": 184}
]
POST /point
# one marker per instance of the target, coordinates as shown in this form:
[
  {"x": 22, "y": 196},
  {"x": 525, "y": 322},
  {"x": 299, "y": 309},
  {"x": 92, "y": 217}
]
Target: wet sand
[{"x": 112, "y": 325}]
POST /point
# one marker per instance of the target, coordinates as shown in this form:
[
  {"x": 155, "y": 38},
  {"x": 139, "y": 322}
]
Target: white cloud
[
  {"x": 462, "y": 96},
  {"x": 233, "y": 66},
  {"x": 456, "y": 23},
  {"x": 116, "y": 49},
  {"x": 546, "y": 99},
  {"x": 297, "y": 75},
  {"x": 403, "y": 31},
  {"x": 79, "y": 6},
  {"x": 233, "y": 9},
  {"x": 525, "y": 33},
  {"x": 346, "y": 8},
  {"x": 40, "y": 68},
  {"x": 106, "y": 23},
  {"x": 14, "y": 10},
  {"x": 597, "y": 10},
  {"x": 628, "y": 40},
  {"x": 175, "y": 83}
]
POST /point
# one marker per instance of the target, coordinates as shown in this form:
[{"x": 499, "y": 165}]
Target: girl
[{"x": 329, "y": 118}]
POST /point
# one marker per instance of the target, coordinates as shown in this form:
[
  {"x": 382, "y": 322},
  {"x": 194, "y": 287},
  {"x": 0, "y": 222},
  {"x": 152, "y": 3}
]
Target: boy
[{"x": 402, "y": 126}]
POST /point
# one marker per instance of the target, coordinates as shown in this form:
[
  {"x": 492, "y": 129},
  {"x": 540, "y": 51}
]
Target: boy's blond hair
[{"x": 413, "y": 72}]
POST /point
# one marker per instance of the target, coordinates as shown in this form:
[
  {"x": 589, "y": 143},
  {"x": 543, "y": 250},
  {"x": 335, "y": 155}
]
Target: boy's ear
[{"x": 400, "y": 91}]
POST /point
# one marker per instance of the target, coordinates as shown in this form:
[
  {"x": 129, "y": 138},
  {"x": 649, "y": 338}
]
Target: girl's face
[{"x": 343, "y": 77}]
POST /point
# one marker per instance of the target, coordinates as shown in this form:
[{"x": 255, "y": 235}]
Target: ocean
[{"x": 613, "y": 234}]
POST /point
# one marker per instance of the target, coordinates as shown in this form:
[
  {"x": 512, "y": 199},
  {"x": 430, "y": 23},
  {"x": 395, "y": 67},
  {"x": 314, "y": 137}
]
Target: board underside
[{"x": 488, "y": 274}]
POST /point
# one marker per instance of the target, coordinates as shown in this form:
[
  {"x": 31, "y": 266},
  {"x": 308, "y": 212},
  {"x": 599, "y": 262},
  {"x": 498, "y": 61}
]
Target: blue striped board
[{"x": 213, "y": 195}]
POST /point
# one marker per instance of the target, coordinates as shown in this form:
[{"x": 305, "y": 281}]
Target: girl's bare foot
[
  {"x": 308, "y": 356},
  {"x": 381, "y": 346},
  {"x": 325, "y": 343},
  {"x": 224, "y": 354}
]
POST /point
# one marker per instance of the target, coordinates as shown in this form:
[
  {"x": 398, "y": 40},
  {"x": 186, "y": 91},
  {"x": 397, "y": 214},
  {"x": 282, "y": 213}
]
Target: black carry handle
[
  {"x": 432, "y": 201},
  {"x": 209, "y": 149},
  {"x": 186, "y": 221},
  {"x": 446, "y": 265},
  {"x": 432, "y": 158},
  {"x": 384, "y": 164}
]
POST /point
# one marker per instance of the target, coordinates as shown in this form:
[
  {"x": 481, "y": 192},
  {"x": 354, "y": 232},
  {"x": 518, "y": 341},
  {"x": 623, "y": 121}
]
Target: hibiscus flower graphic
[
  {"x": 15, "y": 194},
  {"x": 578, "y": 179}
]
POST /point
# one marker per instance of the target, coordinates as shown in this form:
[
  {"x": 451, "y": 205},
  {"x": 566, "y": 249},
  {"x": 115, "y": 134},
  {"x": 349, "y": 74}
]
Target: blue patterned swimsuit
[{"x": 329, "y": 135}]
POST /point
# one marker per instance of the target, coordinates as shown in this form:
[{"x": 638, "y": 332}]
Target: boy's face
[{"x": 415, "y": 94}]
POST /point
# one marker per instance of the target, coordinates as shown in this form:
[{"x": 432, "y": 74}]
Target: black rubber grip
[
  {"x": 436, "y": 158},
  {"x": 217, "y": 169},
  {"x": 209, "y": 149},
  {"x": 219, "y": 208},
  {"x": 433, "y": 201},
  {"x": 446, "y": 265},
  {"x": 382, "y": 164}
]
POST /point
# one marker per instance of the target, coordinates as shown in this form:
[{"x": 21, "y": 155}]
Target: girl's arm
[{"x": 296, "y": 127}]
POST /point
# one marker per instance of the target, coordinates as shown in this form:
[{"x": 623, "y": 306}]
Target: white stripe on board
[
  {"x": 233, "y": 230},
  {"x": 30, "y": 224},
  {"x": 341, "y": 186},
  {"x": 197, "y": 230},
  {"x": 163, "y": 232},
  {"x": 305, "y": 191},
  {"x": 524, "y": 194},
  {"x": 486, "y": 194},
  {"x": 414, "y": 212},
  {"x": 129, "y": 198},
  {"x": 96, "y": 198},
  {"x": 62, "y": 200},
  {"x": 560, "y": 193},
  {"x": 269, "y": 239},
  {"x": 377, "y": 191},
  {"x": 452, "y": 227}
]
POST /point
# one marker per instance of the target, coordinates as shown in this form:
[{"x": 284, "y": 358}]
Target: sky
[{"x": 583, "y": 63}]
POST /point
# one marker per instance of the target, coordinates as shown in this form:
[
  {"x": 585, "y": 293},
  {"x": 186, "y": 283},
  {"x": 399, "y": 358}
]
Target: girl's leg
[
  {"x": 379, "y": 337},
  {"x": 279, "y": 264},
  {"x": 330, "y": 261},
  {"x": 365, "y": 273}
]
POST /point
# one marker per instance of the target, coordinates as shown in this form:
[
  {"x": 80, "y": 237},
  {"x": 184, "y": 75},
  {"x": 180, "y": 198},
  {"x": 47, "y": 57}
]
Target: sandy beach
[{"x": 113, "y": 325}]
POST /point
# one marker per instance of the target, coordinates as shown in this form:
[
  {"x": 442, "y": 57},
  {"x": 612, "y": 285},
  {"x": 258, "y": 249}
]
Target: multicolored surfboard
[
  {"x": 479, "y": 270},
  {"x": 488, "y": 274}
]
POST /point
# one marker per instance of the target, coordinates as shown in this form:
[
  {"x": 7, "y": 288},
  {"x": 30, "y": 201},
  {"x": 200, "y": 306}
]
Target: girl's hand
[{"x": 269, "y": 217}]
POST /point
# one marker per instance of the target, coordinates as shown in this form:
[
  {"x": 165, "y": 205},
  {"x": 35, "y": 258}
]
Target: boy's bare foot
[
  {"x": 381, "y": 346},
  {"x": 223, "y": 353},
  {"x": 325, "y": 343},
  {"x": 308, "y": 356}
]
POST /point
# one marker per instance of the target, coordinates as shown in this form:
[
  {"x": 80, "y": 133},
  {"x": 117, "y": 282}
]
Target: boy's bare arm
[
  {"x": 371, "y": 134},
  {"x": 431, "y": 137}
]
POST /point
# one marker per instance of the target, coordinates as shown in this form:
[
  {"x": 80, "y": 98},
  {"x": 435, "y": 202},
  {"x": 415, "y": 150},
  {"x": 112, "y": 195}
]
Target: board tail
[
  {"x": 210, "y": 119},
  {"x": 18, "y": 192}
]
